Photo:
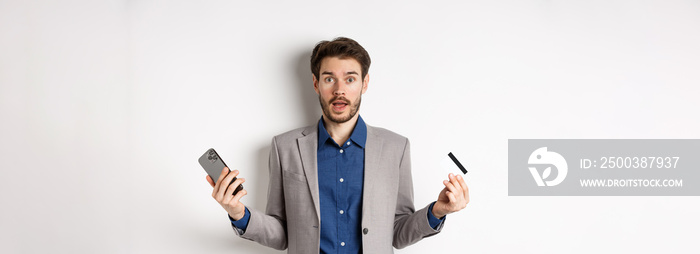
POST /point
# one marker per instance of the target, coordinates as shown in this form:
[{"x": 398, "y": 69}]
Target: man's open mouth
[{"x": 339, "y": 105}]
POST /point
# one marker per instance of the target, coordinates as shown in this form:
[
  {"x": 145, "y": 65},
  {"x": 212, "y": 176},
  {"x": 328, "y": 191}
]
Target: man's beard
[{"x": 327, "y": 111}]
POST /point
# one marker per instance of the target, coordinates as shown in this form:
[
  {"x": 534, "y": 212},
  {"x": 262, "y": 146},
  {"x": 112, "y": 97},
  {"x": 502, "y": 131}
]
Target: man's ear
[
  {"x": 365, "y": 82},
  {"x": 315, "y": 84}
]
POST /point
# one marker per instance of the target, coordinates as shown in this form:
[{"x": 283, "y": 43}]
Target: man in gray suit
[{"x": 339, "y": 186}]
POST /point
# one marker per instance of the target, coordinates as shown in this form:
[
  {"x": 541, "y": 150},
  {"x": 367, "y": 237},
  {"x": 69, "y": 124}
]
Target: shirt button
[
  {"x": 342, "y": 212},
  {"x": 348, "y": 142},
  {"x": 342, "y": 243},
  {"x": 341, "y": 150},
  {"x": 341, "y": 180}
]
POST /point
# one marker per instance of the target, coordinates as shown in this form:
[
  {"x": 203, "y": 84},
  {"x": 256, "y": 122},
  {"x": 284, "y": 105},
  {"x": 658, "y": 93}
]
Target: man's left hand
[{"x": 454, "y": 197}]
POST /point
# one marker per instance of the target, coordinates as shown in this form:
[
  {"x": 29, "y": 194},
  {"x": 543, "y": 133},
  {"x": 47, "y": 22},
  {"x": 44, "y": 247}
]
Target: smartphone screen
[{"x": 213, "y": 165}]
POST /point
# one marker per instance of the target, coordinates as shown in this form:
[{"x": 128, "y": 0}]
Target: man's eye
[
  {"x": 329, "y": 80},
  {"x": 350, "y": 80}
]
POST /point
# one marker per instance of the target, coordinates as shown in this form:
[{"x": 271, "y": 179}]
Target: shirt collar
[{"x": 358, "y": 136}]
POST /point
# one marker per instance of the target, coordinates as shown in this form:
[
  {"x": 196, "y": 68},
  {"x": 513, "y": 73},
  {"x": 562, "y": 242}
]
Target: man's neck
[{"x": 340, "y": 132}]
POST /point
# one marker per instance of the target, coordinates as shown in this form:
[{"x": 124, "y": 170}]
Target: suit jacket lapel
[
  {"x": 308, "y": 146},
  {"x": 373, "y": 151}
]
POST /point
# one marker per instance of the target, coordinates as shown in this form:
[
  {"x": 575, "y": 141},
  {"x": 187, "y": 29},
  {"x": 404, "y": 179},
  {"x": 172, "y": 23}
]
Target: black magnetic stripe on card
[{"x": 454, "y": 159}]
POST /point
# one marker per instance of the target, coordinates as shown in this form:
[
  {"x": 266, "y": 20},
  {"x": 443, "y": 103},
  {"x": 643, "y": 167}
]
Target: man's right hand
[{"x": 223, "y": 193}]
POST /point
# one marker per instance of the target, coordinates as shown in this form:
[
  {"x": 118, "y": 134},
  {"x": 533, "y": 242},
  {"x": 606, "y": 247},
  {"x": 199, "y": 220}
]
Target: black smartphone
[{"x": 213, "y": 165}]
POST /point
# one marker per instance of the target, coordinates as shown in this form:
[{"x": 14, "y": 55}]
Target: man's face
[{"x": 340, "y": 88}]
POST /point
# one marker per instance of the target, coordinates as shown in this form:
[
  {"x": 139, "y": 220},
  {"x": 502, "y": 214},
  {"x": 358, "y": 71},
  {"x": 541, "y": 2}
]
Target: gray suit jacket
[{"x": 292, "y": 217}]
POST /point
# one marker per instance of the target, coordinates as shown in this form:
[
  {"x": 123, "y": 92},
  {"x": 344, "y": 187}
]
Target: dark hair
[{"x": 342, "y": 48}]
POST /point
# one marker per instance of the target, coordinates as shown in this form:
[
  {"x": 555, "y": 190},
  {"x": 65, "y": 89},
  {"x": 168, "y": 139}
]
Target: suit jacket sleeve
[
  {"x": 409, "y": 226},
  {"x": 269, "y": 228}
]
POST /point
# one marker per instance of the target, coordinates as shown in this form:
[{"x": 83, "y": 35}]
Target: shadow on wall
[
  {"x": 308, "y": 109},
  {"x": 261, "y": 179},
  {"x": 309, "y": 106}
]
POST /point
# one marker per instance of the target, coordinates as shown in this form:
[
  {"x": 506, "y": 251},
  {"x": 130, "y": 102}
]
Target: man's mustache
[{"x": 339, "y": 98}]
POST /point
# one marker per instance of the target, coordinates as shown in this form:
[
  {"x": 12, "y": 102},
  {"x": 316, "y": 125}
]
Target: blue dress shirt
[
  {"x": 341, "y": 169},
  {"x": 340, "y": 180}
]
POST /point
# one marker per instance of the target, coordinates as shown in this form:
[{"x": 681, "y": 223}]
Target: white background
[{"x": 106, "y": 106}]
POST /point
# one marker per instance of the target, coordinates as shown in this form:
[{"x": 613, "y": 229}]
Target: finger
[
  {"x": 452, "y": 198},
  {"x": 232, "y": 188},
  {"x": 215, "y": 190},
  {"x": 211, "y": 182},
  {"x": 465, "y": 188},
  {"x": 227, "y": 181},
  {"x": 450, "y": 186},
  {"x": 223, "y": 185},
  {"x": 223, "y": 174},
  {"x": 455, "y": 182},
  {"x": 239, "y": 195}
]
